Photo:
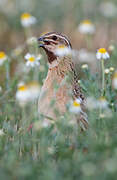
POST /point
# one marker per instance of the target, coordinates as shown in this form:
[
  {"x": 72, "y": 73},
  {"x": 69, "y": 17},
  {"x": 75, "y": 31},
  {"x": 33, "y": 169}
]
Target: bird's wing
[{"x": 77, "y": 93}]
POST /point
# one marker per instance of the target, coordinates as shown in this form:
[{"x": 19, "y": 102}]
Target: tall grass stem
[
  {"x": 103, "y": 77},
  {"x": 7, "y": 67}
]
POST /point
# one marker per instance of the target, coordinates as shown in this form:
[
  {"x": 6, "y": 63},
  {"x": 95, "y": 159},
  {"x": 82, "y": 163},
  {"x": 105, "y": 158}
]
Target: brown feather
[{"x": 56, "y": 74}]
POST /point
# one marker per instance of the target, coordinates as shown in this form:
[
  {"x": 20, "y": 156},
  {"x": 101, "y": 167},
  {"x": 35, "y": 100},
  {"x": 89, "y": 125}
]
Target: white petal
[
  {"x": 27, "y": 56},
  {"x": 79, "y": 100},
  {"x": 86, "y": 28},
  {"x": 28, "y": 22},
  {"x": 1, "y": 62},
  {"x": 75, "y": 110},
  {"x": 114, "y": 83},
  {"x": 33, "y": 20},
  {"x": 27, "y": 63},
  {"x": 104, "y": 56},
  {"x": 98, "y": 55},
  {"x": 107, "y": 55},
  {"x": 38, "y": 58},
  {"x": 32, "y": 64}
]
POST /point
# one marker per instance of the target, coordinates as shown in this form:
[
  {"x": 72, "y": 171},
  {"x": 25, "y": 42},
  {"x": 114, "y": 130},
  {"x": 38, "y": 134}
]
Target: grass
[{"x": 67, "y": 153}]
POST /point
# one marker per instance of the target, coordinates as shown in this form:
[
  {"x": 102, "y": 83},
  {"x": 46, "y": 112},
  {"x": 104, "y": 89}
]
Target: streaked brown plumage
[{"x": 58, "y": 68}]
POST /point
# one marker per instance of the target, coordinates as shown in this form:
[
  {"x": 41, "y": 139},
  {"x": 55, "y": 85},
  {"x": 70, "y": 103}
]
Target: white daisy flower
[
  {"x": 0, "y": 89},
  {"x": 107, "y": 113},
  {"x": 32, "y": 60},
  {"x": 42, "y": 124},
  {"x": 86, "y": 56},
  {"x": 27, "y": 20},
  {"x": 108, "y": 9},
  {"x": 91, "y": 103},
  {"x": 102, "y": 54},
  {"x": 102, "y": 102},
  {"x": 86, "y": 27},
  {"x": 111, "y": 48},
  {"x": 32, "y": 41},
  {"x": 22, "y": 94},
  {"x": 27, "y": 92},
  {"x": 17, "y": 51},
  {"x": 45, "y": 124},
  {"x": 111, "y": 69},
  {"x": 1, "y": 132},
  {"x": 51, "y": 150},
  {"x": 3, "y": 57},
  {"x": 34, "y": 89},
  {"x": 62, "y": 50},
  {"x": 85, "y": 66},
  {"x": 75, "y": 106},
  {"x": 107, "y": 71},
  {"x": 114, "y": 80}
]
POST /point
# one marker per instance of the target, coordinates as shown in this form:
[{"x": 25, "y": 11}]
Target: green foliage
[{"x": 60, "y": 151}]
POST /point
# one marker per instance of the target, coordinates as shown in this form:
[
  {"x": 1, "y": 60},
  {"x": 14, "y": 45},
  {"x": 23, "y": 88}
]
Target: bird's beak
[{"x": 41, "y": 41}]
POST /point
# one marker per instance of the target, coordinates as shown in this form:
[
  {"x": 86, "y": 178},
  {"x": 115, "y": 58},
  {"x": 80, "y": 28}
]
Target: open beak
[{"x": 41, "y": 41}]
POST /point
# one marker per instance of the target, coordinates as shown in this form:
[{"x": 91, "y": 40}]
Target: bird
[{"x": 58, "y": 69}]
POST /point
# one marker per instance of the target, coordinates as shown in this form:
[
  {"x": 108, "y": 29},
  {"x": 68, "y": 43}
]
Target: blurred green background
[{"x": 62, "y": 15}]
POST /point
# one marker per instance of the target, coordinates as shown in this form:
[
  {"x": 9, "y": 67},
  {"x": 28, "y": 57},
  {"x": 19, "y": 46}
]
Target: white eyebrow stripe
[
  {"x": 50, "y": 40},
  {"x": 64, "y": 39},
  {"x": 60, "y": 36}
]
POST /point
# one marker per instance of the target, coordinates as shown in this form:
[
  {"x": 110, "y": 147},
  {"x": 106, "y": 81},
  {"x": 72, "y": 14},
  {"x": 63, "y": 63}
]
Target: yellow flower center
[
  {"x": 32, "y": 59},
  {"x": 115, "y": 75},
  {"x": 17, "y": 51},
  {"x": 111, "y": 69},
  {"x": 102, "y": 50},
  {"x": 22, "y": 88},
  {"x": 86, "y": 22},
  {"x": 25, "y": 16},
  {"x": 33, "y": 84},
  {"x": 76, "y": 104},
  {"x": 2, "y": 55},
  {"x": 62, "y": 46},
  {"x": 102, "y": 98}
]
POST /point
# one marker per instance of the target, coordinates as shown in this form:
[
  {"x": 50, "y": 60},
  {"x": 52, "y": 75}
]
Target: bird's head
[{"x": 51, "y": 41}]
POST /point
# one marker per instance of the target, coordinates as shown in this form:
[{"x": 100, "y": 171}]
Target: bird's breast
[{"x": 54, "y": 94}]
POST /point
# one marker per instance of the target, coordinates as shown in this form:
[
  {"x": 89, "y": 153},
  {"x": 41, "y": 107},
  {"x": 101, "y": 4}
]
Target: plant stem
[
  {"x": 88, "y": 39},
  {"x": 28, "y": 34},
  {"x": 103, "y": 77},
  {"x": 7, "y": 66}
]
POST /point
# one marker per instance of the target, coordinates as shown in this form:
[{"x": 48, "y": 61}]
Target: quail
[{"x": 59, "y": 67}]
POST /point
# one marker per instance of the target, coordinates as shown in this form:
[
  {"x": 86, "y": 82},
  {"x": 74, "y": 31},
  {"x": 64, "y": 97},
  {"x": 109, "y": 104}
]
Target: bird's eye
[{"x": 54, "y": 38}]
